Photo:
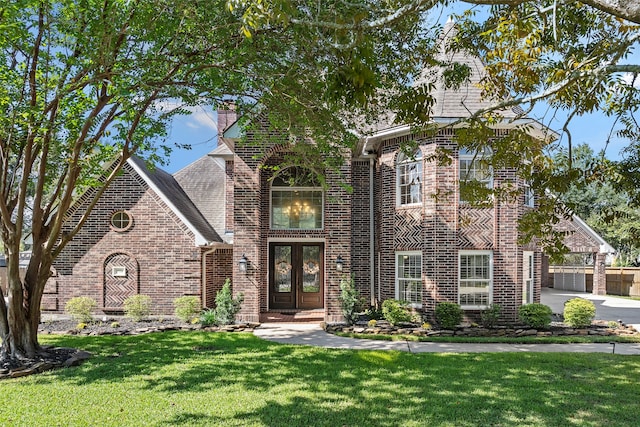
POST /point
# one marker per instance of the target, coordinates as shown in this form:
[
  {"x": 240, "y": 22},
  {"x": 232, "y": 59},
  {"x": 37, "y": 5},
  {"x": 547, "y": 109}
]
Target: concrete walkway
[
  {"x": 607, "y": 308},
  {"x": 312, "y": 334}
]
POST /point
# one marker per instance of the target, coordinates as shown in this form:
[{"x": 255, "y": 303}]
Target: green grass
[
  {"x": 211, "y": 379},
  {"x": 566, "y": 339}
]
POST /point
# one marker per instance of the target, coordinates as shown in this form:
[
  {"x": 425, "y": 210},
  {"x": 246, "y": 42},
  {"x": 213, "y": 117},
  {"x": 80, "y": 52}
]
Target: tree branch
[{"x": 625, "y": 9}]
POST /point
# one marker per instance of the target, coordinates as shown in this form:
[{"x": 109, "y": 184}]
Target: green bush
[
  {"x": 137, "y": 307},
  {"x": 374, "y": 313},
  {"x": 579, "y": 312},
  {"x": 80, "y": 308},
  {"x": 395, "y": 311},
  {"x": 448, "y": 314},
  {"x": 490, "y": 316},
  {"x": 535, "y": 315},
  {"x": 208, "y": 317},
  {"x": 227, "y": 307},
  {"x": 187, "y": 308},
  {"x": 350, "y": 300}
]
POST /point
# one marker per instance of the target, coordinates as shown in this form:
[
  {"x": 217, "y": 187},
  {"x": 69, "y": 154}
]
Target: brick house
[
  {"x": 286, "y": 248},
  {"x": 391, "y": 233},
  {"x": 145, "y": 236}
]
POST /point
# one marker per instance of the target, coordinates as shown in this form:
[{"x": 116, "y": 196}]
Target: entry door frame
[{"x": 296, "y": 303}]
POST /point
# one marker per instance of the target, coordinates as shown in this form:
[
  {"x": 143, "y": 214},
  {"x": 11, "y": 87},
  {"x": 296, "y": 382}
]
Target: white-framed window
[
  {"x": 409, "y": 277},
  {"x": 475, "y": 279},
  {"x": 296, "y": 203},
  {"x": 527, "y": 277},
  {"x": 474, "y": 171},
  {"x": 529, "y": 196},
  {"x": 409, "y": 179}
]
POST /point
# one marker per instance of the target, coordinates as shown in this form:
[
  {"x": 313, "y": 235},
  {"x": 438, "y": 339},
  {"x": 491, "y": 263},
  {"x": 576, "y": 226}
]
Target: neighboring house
[
  {"x": 586, "y": 247},
  {"x": 145, "y": 236}
]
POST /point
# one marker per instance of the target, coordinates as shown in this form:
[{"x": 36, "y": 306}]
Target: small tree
[
  {"x": 350, "y": 300},
  {"x": 227, "y": 307}
]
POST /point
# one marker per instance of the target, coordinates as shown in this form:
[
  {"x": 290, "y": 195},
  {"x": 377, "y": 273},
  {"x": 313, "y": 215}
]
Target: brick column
[{"x": 599, "y": 275}]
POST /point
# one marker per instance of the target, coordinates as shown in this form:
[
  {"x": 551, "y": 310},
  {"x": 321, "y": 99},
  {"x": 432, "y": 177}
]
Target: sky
[{"x": 199, "y": 129}]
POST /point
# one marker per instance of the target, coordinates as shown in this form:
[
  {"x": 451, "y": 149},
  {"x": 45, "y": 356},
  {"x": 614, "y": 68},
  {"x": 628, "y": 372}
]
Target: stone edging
[{"x": 384, "y": 328}]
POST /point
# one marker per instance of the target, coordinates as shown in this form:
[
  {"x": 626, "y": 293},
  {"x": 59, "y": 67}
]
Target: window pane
[
  {"x": 311, "y": 269},
  {"x": 296, "y": 209},
  {"x": 475, "y": 279},
  {"x": 409, "y": 178},
  {"x": 409, "y": 268},
  {"x": 282, "y": 268}
]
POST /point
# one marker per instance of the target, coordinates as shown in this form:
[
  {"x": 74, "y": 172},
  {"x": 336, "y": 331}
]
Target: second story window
[
  {"x": 475, "y": 174},
  {"x": 409, "y": 179},
  {"x": 296, "y": 202}
]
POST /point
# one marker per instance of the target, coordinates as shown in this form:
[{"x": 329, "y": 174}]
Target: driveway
[{"x": 607, "y": 307}]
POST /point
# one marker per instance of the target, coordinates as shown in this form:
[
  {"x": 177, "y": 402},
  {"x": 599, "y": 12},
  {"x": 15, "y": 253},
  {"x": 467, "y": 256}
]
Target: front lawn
[{"x": 204, "y": 378}]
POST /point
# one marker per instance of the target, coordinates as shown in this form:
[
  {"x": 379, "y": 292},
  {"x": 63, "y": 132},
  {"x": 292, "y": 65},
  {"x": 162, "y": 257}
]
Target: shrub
[
  {"x": 187, "y": 308},
  {"x": 535, "y": 315},
  {"x": 372, "y": 323},
  {"x": 448, "y": 314},
  {"x": 579, "y": 312},
  {"x": 115, "y": 325},
  {"x": 226, "y": 305},
  {"x": 80, "y": 308},
  {"x": 81, "y": 326},
  {"x": 208, "y": 317},
  {"x": 374, "y": 313},
  {"x": 137, "y": 307},
  {"x": 395, "y": 311},
  {"x": 489, "y": 317},
  {"x": 350, "y": 300}
]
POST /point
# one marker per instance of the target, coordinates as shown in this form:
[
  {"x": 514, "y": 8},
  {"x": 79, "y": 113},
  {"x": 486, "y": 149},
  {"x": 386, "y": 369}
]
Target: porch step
[{"x": 288, "y": 316}]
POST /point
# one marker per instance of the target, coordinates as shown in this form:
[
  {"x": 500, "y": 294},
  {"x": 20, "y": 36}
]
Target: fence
[{"x": 624, "y": 281}]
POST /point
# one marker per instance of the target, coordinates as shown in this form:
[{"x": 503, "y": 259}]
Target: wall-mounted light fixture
[
  {"x": 242, "y": 264},
  {"x": 339, "y": 263}
]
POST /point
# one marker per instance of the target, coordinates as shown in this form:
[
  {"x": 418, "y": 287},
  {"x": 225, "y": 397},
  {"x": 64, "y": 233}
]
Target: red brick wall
[
  {"x": 252, "y": 226},
  {"x": 219, "y": 267},
  {"x": 168, "y": 261},
  {"x": 442, "y": 226}
]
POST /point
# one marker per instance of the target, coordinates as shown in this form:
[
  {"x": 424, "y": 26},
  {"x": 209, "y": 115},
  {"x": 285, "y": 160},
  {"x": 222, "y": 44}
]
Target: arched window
[
  {"x": 409, "y": 179},
  {"x": 297, "y": 201}
]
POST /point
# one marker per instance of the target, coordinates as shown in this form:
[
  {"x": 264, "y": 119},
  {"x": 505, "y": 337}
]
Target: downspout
[{"x": 372, "y": 237}]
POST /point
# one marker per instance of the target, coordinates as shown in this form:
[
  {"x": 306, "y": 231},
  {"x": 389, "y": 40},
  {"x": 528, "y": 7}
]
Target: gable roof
[
  {"x": 204, "y": 183},
  {"x": 172, "y": 194}
]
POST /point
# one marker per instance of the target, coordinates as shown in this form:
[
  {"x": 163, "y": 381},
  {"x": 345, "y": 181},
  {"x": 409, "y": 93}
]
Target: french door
[{"x": 296, "y": 275}]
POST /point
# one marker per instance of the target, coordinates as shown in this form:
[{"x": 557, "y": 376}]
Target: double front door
[{"x": 296, "y": 272}]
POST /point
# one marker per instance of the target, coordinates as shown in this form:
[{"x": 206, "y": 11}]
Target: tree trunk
[{"x": 20, "y": 318}]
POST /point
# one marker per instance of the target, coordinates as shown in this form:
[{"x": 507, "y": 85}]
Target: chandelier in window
[{"x": 300, "y": 209}]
